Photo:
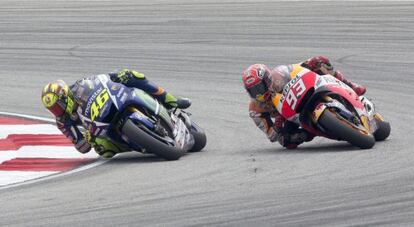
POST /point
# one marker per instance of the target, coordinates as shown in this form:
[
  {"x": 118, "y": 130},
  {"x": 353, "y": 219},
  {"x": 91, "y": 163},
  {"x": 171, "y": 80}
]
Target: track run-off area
[{"x": 198, "y": 49}]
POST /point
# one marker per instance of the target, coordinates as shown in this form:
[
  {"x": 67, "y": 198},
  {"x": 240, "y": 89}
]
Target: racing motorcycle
[
  {"x": 327, "y": 107},
  {"x": 130, "y": 119}
]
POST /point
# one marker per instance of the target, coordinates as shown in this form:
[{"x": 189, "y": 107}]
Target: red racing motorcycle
[{"x": 325, "y": 106}]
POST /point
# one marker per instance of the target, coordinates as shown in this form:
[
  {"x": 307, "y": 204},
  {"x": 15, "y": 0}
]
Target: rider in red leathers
[{"x": 262, "y": 84}]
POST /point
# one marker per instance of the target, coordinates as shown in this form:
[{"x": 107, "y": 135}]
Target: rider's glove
[
  {"x": 274, "y": 132},
  {"x": 83, "y": 146}
]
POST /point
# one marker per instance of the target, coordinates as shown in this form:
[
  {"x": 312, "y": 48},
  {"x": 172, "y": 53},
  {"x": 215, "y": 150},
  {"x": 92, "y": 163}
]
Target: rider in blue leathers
[{"x": 63, "y": 101}]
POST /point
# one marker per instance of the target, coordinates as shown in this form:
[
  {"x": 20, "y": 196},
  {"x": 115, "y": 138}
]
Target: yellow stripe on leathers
[
  {"x": 296, "y": 70},
  {"x": 276, "y": 102}
]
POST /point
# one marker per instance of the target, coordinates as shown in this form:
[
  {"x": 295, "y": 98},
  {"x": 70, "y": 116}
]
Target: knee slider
[{"x": 105, "y": 148}]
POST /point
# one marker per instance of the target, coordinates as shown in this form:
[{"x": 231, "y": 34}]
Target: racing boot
[
  {"x": 172, "y": 102},
  {"x": 359, "y": 89},
  {"x": 183, "y": 103}
]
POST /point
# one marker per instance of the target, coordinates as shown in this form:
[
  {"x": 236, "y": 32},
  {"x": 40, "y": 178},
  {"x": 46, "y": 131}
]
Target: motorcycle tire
[
  {"x": 343, "y": 130},
  {"x": 200, "y": 138},
  {"x": 149, "y": 143},
  {"x": 383, "y": 130}
]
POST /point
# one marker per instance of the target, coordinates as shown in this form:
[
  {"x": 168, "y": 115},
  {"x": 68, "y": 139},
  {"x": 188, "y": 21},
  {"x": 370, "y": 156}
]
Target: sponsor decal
[{"x": 92, "y": 100}]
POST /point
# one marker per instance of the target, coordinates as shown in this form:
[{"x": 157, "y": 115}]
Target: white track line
[
  {"x": 60, "y": 174},
  {"x": 28, "y": 116},
  {"x": 47, "y": 129}
]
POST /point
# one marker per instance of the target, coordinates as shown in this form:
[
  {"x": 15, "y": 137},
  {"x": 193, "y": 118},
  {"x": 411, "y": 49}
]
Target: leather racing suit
[
  {"x": 71, "y": 125},
  {"x": 289, "y": 134}
]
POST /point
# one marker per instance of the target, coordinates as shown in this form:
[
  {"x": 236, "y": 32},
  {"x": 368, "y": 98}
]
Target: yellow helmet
[{"x": 58, "y": 98}]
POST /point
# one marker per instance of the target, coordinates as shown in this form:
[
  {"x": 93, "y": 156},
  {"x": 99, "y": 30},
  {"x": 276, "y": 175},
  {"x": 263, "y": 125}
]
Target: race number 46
[
  {"x": 98, "y": 104},
  {"x": 294, "y": 93}
]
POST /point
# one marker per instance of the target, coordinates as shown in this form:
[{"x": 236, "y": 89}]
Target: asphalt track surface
[{"x": 199, "y": 49}]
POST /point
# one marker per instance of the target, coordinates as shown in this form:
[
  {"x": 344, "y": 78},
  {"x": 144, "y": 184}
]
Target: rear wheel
[
  {"x": 338, "y": 127},
  {"x": 200, "y": 138},
  {"x": 146, "y": 138},
  {"x": 383, "y": 131}
]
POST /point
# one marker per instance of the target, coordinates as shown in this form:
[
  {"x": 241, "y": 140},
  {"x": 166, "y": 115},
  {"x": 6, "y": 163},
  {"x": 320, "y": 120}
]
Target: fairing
[
  {"x": 104, "y": 103},
  {"x": 300, "y": 97}
]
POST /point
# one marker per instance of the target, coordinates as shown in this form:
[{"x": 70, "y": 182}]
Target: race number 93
[
  {"x": 99, "y": 103},
  {"x": 294, "y": 93}
]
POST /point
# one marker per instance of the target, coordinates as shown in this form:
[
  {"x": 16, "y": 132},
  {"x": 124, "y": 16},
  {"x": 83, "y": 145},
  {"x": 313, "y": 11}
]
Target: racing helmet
[
  {"x": 58, "y": 98},
  {"x": 255, "y": 80}
]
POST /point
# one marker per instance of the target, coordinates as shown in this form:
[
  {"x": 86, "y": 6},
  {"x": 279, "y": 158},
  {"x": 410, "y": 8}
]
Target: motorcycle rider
[
  {"x": 262, "y": 84},
  {"x": 63, "y": 101}
]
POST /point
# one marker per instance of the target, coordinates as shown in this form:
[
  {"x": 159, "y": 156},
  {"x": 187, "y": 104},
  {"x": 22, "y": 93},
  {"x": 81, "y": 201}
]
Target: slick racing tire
[
  {"x": 383, "y": 130},
  {"x": 200, "y": 138},
  {"x": 151, "y": 144},
  {"x": 341, "y": 129}
]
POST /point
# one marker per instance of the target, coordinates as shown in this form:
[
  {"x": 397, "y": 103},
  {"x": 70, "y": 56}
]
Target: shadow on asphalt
[
  {"x": 134, "y": 157},
  {"x": 315, "y": 148}
]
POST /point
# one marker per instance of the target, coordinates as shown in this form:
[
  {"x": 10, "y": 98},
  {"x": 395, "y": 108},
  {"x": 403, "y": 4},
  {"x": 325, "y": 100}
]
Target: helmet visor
[
  {"x": 54, "y": 104},
  {"x": 258, "y": 92}
]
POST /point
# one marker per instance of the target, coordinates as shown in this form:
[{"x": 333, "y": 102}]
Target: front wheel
[
  {"x": 338, "y": 127},
  {"x": 149, "y": 143}
]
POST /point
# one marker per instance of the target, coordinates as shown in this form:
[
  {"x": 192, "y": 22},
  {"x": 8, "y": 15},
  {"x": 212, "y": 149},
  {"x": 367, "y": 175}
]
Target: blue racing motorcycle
[{"x": 130, "y": 119}]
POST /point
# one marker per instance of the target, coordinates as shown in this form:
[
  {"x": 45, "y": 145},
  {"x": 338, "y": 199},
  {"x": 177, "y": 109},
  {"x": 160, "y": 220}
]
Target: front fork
[
  {"x": 182, "y": 132},
  {"x": 320, "y": 108}
]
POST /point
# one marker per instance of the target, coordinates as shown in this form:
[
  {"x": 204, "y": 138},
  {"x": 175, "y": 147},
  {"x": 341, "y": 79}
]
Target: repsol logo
[{"x": 291, "y": 82}]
